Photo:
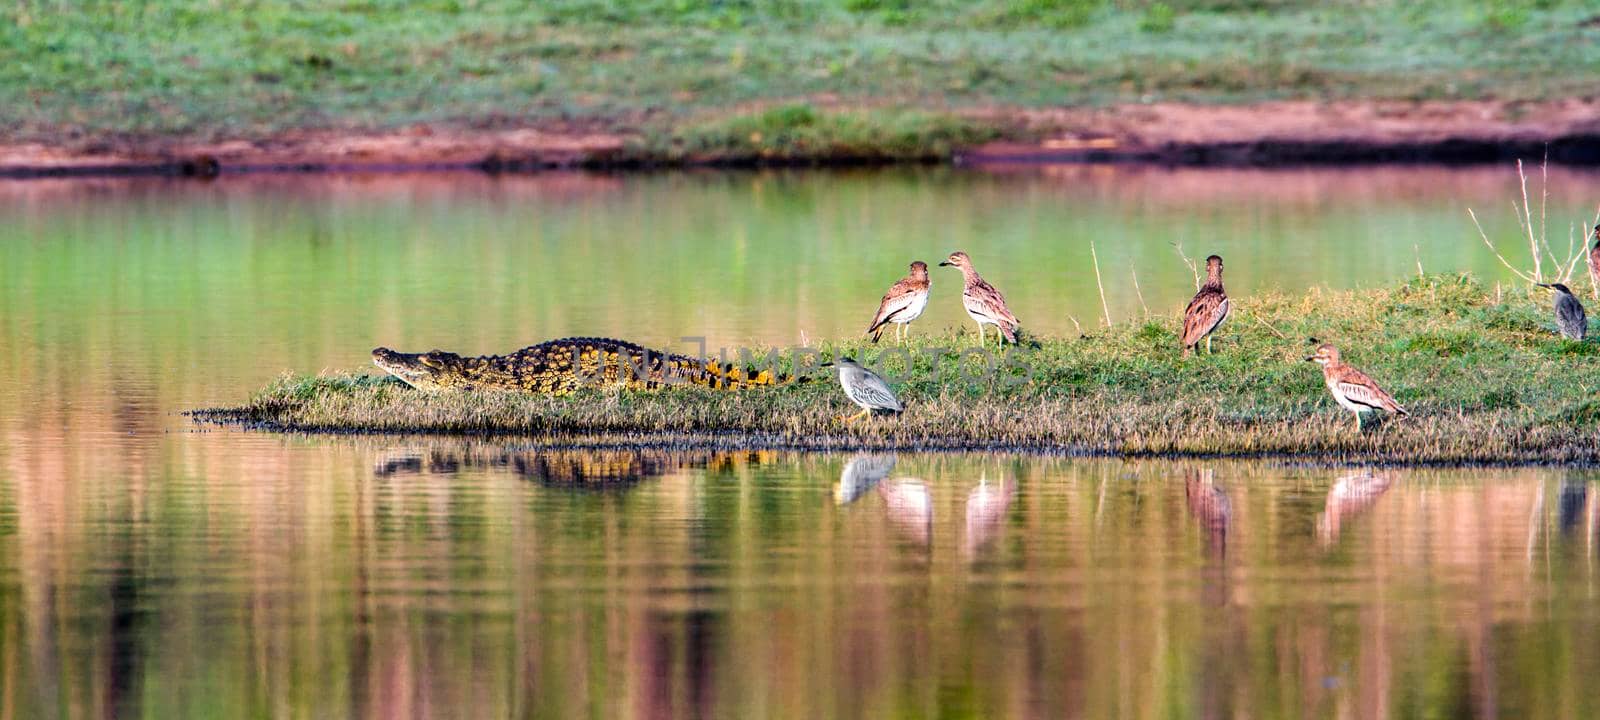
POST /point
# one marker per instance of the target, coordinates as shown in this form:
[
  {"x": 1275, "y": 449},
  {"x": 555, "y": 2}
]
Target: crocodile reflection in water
[{"x": 596, "y": 469}]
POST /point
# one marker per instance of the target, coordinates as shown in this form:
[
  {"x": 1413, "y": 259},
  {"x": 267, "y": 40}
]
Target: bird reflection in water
[
  {"x": 861, "y": 474},
  {"x": 1350, "y": 495},
  {"x": 906, "y": 500},
  {"x": 1210, "y": 506},
  {"x": 987, "y": 506},
  {"x": 1574, "y": 499},
  {"x": 910, "y": 509},
  {"x": 1223, "y": 637}
]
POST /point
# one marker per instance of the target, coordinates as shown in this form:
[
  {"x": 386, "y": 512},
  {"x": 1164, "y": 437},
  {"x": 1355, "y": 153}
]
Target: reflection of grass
[
  {"x": 1479, "y": 392},
  {"x": 170, "y": 67}
]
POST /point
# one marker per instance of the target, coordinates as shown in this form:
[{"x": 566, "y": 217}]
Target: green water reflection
[
  {"x": 248, "y": 577},
  {"x": 149, "y": 568}
]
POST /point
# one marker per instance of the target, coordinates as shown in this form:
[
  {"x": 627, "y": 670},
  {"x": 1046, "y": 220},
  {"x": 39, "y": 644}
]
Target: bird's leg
[
  {"x": 855, "y": 417},
  {"x": 1208, "y": 344},
  {"x": 980, "y": 334},
  {"x": 1359, "y": 426}
]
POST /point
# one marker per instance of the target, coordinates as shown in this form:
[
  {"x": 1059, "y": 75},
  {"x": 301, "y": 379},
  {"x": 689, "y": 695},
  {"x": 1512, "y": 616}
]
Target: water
[{"x": 149, "y": 568}]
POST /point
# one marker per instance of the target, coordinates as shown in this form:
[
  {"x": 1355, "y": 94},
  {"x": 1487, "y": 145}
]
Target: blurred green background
[{"x": 258, "y": 66}]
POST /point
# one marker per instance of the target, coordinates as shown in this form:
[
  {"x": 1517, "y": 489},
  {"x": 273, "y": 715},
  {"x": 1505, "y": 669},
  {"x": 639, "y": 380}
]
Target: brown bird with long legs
[
  {"x": 1207, "y": 310},
  {"x": 903, "y": 303},
  {"x": 1351, "y": 388},
  {"x": 984, "y": 304}
]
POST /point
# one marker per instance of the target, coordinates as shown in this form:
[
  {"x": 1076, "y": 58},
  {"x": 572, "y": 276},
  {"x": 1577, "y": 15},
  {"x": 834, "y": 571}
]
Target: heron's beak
[{"x": 826, "y": 364}]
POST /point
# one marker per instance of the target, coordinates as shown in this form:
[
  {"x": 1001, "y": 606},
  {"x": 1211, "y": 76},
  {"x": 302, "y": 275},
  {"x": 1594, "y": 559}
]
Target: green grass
[
  {"x": 1487, "y": 381},
  {"x": 658, "y": 68},
  {"x": 801, "y": 133}
]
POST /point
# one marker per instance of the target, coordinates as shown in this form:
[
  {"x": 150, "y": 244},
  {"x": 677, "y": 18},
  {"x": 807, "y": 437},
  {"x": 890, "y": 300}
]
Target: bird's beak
[
  {"x": 945, "y": 264},
  {"x": 1543, "y": 285},
  {"x": 1312, "y": 358},
  {"x": 826, "y": 364}
]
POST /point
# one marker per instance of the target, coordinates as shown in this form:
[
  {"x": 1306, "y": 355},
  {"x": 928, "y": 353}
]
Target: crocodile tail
[{"x": 732, "y": 377}]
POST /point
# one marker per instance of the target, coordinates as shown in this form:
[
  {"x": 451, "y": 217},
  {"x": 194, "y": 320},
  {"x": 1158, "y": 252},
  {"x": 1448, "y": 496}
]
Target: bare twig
[
  {"x": 1264, "y": 324},
  {"x": 1526, "y": 221},
  {"x": 1539, "y": 247},
  {"x": 1573, "y": 256},
  {"x": 1075, "y": 324},
  {"x": 1526, "y": 277},
  {"x": 1193, "y": 269},
  {"x": 1571, "y": 250},
  {"x": 1544, "y": 199},
  {"x": 1103, "y": 307},
  {"x": 1417, "y": 251},
  {"x": 1135, "y": 272}
]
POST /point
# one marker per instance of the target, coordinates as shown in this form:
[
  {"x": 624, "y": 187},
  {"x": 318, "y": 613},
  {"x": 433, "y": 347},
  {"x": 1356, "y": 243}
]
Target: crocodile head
[{"x": 436, "y": 370}]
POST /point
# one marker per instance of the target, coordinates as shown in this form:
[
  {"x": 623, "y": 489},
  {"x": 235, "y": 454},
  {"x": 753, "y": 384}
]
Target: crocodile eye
[{"x": 432, "y": 362}]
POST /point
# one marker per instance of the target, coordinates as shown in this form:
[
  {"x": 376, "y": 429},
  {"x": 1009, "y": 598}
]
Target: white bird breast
[{"x": 918, "y": 303}]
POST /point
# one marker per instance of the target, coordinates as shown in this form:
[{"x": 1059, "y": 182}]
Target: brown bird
[
  {"x": 1594, "y": 264},
  {"x": 903, "y": 303},
  {"x": 984, "y": 304},
  {"x": 1351, "y": 388},
  {"x": 1207, "y": 310}
]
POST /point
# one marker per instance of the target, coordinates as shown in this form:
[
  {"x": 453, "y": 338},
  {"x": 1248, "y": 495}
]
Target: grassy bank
[
  {"x": 668, "y": 74},
  {"x": 1480, "y": 368}
]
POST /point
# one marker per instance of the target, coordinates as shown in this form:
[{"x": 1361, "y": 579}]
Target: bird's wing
[
  {"x": 1204, "y": 313},
  {"x": 1571, "y": 311},
  {"x": 1360, "y": 389},
  {"x": 874, "y": 391},
  {"x": 1221, "y": 313},
  {"x": 992, "y": 301},
  {"x": 900, "y": 296}
]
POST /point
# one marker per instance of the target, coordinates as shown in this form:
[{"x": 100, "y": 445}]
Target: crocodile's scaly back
[{"x": 558, "y": 367}]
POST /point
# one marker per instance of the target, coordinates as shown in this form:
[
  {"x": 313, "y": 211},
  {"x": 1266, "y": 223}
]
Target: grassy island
[{"x": 1481, "y": 369}]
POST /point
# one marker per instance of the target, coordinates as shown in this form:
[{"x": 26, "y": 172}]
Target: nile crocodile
[{"x": 558, "y": 367}]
